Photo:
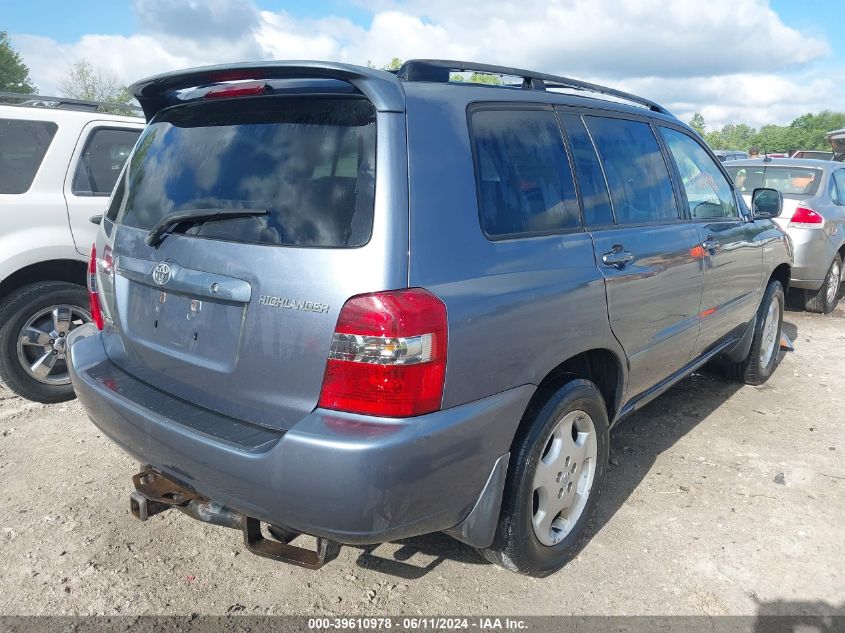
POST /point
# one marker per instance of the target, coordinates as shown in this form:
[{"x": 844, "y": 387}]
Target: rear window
[
  {"x": 23, "y": 145},
  {"x": 310, "y": 162},
  {"x": 800, "y": 182}
]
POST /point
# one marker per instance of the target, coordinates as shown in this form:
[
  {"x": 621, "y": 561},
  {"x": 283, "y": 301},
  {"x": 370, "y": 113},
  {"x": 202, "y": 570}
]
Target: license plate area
[{"x": 186, "y": 325}]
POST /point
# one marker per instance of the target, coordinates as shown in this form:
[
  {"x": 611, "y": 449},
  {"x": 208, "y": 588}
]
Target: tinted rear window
[
  {"x": 524, "y": 180},
  {"x": 23, "y": 145},
  {"x": 101, "y": 161},
  {"x": 597, "y": 209},
  {"x": 637, "y": 175},
  {"x": 309, "y": 161},
  {"x": 800, "y": 182}
]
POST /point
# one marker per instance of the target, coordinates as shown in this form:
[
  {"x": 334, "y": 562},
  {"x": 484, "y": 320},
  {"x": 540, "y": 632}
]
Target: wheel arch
[
  {"x": 783, "y": 274},
  {"x": 600, "y": 366},
  {"x": 69, "y": 270}
]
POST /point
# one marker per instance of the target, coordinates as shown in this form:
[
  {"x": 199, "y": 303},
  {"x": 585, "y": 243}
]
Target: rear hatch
[{"x": 236, "y": 314}]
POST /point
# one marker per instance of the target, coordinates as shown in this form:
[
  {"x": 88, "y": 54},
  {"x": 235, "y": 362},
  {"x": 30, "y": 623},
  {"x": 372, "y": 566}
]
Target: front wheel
[
  {"x": 558, "y": 465},
  {"x": 34, "y": 323},
  {"x": 764, "y": 355}
]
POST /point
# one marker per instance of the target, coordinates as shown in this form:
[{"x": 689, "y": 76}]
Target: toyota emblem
[{"x": 162, "y": 273}]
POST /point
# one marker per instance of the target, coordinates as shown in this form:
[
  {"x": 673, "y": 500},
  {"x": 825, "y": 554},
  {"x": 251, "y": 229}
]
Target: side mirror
[
  {"x": 766, "y": 203},
  {"x": 96, "y": 219}
]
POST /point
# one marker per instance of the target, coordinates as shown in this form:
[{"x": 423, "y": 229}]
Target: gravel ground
[{"x": 720, "y": 500}]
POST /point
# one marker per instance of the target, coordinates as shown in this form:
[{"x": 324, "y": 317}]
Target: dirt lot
[{"x": 720, "y": 500}]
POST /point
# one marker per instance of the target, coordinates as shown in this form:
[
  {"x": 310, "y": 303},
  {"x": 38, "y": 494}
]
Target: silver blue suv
[{"x": 335, "y": 301}]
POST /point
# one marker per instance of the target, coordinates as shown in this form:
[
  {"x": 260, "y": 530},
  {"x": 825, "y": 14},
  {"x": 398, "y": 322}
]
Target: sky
[{"x": 735, "y": 61}]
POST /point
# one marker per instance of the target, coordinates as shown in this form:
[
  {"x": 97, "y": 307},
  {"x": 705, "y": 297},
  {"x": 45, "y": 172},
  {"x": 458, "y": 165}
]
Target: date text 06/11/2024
[{"x": 418, "y": 623}]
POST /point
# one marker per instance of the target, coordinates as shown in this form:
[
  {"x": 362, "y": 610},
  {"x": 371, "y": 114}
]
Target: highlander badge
[{"x": 293, "y": 304}]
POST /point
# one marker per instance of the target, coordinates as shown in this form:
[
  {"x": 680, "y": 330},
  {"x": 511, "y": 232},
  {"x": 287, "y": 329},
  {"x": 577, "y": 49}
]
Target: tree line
[{"x": 806, "y": 132}]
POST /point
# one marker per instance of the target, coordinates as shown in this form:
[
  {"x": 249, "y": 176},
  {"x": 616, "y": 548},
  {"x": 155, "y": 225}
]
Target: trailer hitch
[{"x": 155, "y": 493}]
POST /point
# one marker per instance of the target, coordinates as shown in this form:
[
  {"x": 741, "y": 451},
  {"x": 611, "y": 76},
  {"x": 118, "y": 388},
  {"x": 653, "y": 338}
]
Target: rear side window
[
  {"x": 637, "y": 175},
  {"x": 708, "y": 192},
  {"x": 105, "y": 151},
  {"x": 597, "y": 209},
  {"x": 23, "y": 145},
  {"x": 309, "y": 162},
  {"x": 839, "y": 182},
  {"x": 117, "y": 198},
  {"x": 524, "y": 180}
]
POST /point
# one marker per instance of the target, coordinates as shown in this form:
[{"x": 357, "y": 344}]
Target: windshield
[
  {"x": 309, "y": 162},
  {"x": 800, "y": 182}
]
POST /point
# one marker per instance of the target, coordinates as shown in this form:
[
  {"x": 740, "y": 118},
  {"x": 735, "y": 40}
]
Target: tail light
[
  {"x": 805, "y": 218},
  {"x": 388, "y": 355},
  {"x": 93, "y": 294}
]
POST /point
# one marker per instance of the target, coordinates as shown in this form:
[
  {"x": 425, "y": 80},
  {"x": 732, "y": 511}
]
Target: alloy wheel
[
  {"x": 770, "y": 331},
  {"x": 42, "y": 342}
]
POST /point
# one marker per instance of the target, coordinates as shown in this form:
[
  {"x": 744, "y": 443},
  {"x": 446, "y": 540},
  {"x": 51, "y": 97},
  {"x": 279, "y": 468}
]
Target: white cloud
[{"x": 732, "y": 60}]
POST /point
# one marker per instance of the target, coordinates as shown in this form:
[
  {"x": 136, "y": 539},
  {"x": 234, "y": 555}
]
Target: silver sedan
[{"x": 813, "y": 215}]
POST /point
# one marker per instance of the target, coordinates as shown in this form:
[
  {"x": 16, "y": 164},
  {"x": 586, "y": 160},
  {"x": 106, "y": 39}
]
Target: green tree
[
  {"x": 697, "y": 123},
  {"x": 394, "y": 64},
  {"x": 94, "y": 84},
  {"x": 731, "y": 136},
  {"x": 14, "y": 74}
]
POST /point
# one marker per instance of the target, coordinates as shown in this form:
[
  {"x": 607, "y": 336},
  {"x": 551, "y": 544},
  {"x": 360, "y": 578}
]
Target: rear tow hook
[{"x": 155, "y": 493}]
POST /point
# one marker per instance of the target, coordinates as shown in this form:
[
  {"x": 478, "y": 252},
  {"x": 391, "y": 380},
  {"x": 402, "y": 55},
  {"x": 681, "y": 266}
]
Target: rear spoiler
[{"x": 382, "y": 88}]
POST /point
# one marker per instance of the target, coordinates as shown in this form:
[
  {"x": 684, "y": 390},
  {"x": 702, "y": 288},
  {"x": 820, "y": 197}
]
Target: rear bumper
[
  {"x": 349, "y": 478},
  {"x": 813, "y": 255}
]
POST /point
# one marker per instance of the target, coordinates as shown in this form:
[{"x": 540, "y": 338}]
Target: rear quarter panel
[
  {"x": 777, "y": 247},
  {"x": 516, "y": 308}
]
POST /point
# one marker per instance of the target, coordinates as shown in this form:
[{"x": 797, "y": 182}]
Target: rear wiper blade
[{"x": 169, "y": 223}]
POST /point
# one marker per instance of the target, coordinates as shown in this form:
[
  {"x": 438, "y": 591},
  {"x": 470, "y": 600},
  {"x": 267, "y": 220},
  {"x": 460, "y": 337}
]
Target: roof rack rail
[
  {"x": 439, "y": 70},
  {"x": 65, "y": 103}
]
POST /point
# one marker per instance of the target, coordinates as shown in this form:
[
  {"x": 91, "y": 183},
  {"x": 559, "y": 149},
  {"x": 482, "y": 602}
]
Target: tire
[
  {"x": 18, "y": 309},
  {"x": 517, "y": 545},
  {"x": 824, "y": 300},
  {"x": 758, "y": 366}
]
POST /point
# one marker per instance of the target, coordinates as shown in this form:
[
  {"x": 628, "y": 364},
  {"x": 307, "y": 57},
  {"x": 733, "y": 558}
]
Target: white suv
[{"x": 59, "y": 160}]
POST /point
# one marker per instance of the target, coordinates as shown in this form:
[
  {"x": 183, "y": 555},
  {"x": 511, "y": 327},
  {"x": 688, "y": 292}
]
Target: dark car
[{"x": 364, "y": 306}]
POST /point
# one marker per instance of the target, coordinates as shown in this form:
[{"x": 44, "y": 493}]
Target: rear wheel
[
  {"x": 764, "y": 354},
  {"x": 557, "y": 470},
  {"x": 824, "y": 299},
  {"x": 34, "y": 323}
]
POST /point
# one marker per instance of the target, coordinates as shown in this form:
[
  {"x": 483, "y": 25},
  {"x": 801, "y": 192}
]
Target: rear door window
[
  {"x": 525, "y": 184},
  {"x": 105, "y": 152},
  {"x": 637, "y": 175},
  {"x": 597, "y": 209},
  {"x": 309, "y": 162},
  {"x": 23, "y": 145},
  {"x": 708, "y": 192}
]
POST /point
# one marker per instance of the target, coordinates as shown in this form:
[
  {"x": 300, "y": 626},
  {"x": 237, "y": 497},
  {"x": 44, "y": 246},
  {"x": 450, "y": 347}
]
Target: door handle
[
  {"x": 617, "y": 258},
  {"x": 710, "y": 244}
]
